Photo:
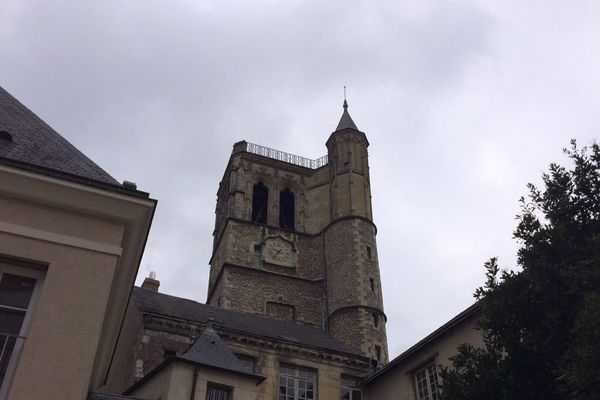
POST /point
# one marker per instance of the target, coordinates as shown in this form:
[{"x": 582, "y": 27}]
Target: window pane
[
  {"x": 247, "y": 361},
  {"x": 7, "y": 344},
  {"x": 11, "y": 321},
  {"x": 217, "y": 392},
  {"x": 16, "y": 291},
  {"x": 296, "y": 383}
]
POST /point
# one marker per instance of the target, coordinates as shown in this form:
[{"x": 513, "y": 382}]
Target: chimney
[{"x": 150, "y": 283}]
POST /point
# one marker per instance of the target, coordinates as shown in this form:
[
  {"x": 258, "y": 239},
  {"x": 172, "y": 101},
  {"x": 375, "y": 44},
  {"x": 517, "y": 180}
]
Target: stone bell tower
[
  {"x": 354, "y": 298},
  {"x": 294, "y": 239}
]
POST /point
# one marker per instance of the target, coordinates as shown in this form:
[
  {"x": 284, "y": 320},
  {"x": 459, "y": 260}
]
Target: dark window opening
[
  {"x": 369, "y": 253},
  {"x": 375, "y": 320},
  {"x": 374, "y": 365},
  {"x": 378, "y": 353},
  {"x": 260, "y": 201},
  {"x": 169, "y": 354},
  {"x": 215, "y": 391},
  {"x": 286, "y": 209},
  {"x": 372, "y": 284},
  {"x": 4, "y": 135}
]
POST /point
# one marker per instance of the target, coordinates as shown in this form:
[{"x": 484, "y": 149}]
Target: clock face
[{"x": 279, "y": 251}]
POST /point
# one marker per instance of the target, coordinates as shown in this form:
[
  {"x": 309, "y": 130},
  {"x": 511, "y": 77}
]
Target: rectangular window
[
  {"x": 19, "y": 289},
  {"x": 369, "y": 253},
  {"x": 426, "y": 383},
  {"x": 375, "y": 320},
  {"x": 284, "y": 312},
  {"x": 215, "y": 391},
  {"x": 351, "y": 388},
  {"x": 248, "y": 362},
  {"x": 297, "y": 383}
]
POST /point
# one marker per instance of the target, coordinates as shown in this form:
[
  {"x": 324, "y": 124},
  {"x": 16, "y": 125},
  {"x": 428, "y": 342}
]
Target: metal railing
[
  {"x": 281, "y": 155},
  {"x": 9, "y": 344}
]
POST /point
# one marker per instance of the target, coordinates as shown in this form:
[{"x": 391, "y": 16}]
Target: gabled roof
[
  {"x": 457, "y": 320},
  {"x": 151, "y": 302},
  {"x": 346, "y": 120},
  {"x": 37, "y": 144},
  {"x": 209, "y": 349}
]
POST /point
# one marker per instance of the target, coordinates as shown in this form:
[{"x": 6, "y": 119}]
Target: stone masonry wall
[
  {"x": 352, "y": 299},
  {"x": 249, "y": 291}
]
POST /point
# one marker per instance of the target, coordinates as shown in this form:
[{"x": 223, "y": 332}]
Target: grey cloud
[{"x": 463, "y": 103}]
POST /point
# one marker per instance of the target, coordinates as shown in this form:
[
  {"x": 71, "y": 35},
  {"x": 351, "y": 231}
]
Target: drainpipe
[{"x": 193, "y": 394}]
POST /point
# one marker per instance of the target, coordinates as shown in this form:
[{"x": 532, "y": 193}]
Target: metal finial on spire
[{"x": 346, "y": 121}]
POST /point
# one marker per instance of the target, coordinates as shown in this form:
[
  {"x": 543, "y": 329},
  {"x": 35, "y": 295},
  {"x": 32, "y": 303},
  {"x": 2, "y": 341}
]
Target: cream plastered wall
[
  {"x": 159, "y": 386},
  {"x": 175, "y": 383},
  {"x": 268, "y": 362},
  {"x": 81, "y": 254},
  {"x": 398, "y": 382}
]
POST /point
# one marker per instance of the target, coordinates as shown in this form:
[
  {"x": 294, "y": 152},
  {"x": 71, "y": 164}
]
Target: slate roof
[
  {"x": 346, "y": 121},
  {"x": 35, "y": 143},
  {"x": 209, "y": 349},
  {"x": 176, "y": 307}
]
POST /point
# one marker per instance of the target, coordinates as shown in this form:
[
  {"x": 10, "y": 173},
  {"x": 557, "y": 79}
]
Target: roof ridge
[
  {"x": 179, "y": 308},
  {"x": 31, "y": 136}
]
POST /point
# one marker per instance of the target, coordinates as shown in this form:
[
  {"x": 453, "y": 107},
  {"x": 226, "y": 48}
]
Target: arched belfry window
[
  {"x": 286, "y": 209},
  {"x": 260, "y": 200}
]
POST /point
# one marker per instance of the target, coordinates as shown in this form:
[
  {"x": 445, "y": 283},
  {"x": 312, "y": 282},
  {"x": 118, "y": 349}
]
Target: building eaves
[
  {"x": 31, "y": 144},
  {"x": 234, "y": 321},
  {"x": 171, "y": 360},
  {"x": 470, "y": 311},
  {"x": 104, "y": 396}
]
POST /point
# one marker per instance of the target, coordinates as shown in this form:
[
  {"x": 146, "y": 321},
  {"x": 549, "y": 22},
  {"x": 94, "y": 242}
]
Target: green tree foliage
[{"x": 541, "y": 326}]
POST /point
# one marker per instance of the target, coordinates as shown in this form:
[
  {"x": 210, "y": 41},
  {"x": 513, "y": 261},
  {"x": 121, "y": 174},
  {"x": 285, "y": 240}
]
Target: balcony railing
[{"x": 280, "y": 155}]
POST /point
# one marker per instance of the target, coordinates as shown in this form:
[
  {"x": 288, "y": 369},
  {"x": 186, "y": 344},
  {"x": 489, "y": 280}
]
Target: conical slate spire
[
  {"x": 209, "y": 349},
  {"x": 346, "y": 121}
]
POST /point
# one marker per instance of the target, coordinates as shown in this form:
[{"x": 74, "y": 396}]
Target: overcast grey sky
[{"x": 463, "y": 102}]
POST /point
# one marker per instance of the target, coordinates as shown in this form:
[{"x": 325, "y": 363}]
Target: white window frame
[
  {"x": 21, "y": 269},
  {"x": 296, "y": 378},
  {"x": 426, "y": 382},
  {"x": 353, "y": 389}
]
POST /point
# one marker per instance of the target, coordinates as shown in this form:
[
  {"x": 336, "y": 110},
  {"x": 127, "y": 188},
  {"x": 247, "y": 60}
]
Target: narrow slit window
[
  {"x": 378, "y": 353},
  {"x": 372, "y": 284},
  {"x": 375, "y": 320},
  {"x": 260, "y": 200},
  {"x": 286, "y": 209},
  {"x": 369, "y": 253}
]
